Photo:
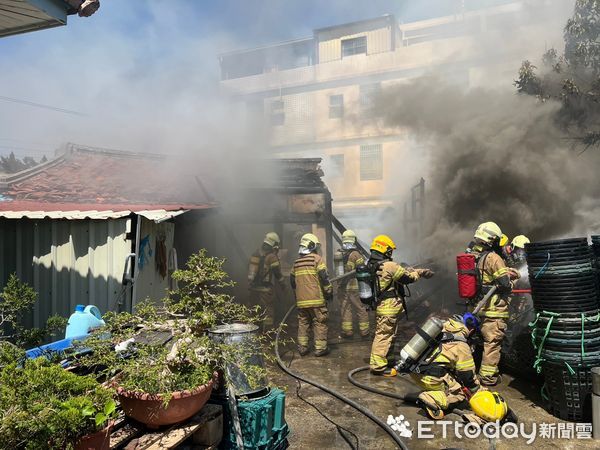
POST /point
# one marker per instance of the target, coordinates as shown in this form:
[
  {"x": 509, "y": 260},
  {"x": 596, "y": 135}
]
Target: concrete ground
[{"x": 311, "y": 431}]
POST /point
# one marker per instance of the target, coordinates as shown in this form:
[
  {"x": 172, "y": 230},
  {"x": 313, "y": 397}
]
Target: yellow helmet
[
  {"x": 520, "y": 241},
  {"x": 272, "y": 239},
  {"x": 490, "y": 406},
  {"x": 309, "y": 241},
  {"x": 383, "y": 244},
  {"x": 503, "y": 240},
  {"x": 488, "y": 232},
  {"x": 348, "y": 237}
]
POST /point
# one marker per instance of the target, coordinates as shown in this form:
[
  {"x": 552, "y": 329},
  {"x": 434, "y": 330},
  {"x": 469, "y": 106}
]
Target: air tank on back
[{"x": 419, "y": 343}]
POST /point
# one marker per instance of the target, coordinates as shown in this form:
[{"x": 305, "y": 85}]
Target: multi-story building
[{"x": 312, "y": 96}]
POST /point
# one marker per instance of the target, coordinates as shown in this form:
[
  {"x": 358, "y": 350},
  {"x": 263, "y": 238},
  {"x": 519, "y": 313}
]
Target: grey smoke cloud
[{"x": 493, "y": 155}]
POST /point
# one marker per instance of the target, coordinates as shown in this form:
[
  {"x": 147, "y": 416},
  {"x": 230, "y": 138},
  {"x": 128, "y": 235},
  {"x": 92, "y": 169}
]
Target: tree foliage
[
  {"x": 573, "y": 77},
  {"x": 12, "y": 164},
  {"x": 16, "y": 300}
]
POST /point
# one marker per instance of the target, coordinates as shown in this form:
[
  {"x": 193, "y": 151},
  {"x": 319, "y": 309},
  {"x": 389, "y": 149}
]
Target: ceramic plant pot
[
  {"x": 149, "y": 409},
  {"x": 99, "y": 440}
]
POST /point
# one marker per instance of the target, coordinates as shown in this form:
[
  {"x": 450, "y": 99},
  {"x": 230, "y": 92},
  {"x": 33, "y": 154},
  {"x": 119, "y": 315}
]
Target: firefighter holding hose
[
  {"x": 348, "y": 290},
  {"x": 492, "y": 272},
  {"x": 312, "y": 288},
  {"x": 387, "y": 298},
  {"x": 264, "y": 268}
]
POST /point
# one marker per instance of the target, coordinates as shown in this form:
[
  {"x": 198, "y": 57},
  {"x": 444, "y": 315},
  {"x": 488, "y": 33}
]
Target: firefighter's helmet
[
  {"x": 488, "y": 232},
  {"x": 309, "y": 243},
  {"x": 272, "y": 239},
  {"x": 520, "y": 241},
  {"x": 490, "y": 406},
  {"x": 383, "y": 244},
  {"x": 348, "y": 237}
]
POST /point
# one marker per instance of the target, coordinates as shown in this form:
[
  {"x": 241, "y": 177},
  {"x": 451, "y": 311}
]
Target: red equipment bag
[{"x": 467, "y": 275}]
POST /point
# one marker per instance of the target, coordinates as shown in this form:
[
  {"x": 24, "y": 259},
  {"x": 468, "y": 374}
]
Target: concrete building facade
[{"x": 312, "y": 97}]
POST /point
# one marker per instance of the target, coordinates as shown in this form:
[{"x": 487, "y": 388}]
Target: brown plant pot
[
  {"x": 150, "y": 410},
  {"x": 99, "y": 440}
]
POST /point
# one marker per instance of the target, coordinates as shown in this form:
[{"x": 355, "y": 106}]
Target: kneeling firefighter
[
  {"x": 440, "y": 361},
  {"x": 381, "y": 283},
  {"x": 312, "y": 288}
]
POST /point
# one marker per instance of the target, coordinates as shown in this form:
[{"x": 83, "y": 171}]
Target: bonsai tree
[
  {"x": 163, "y": 349},
  {"x": 16, "y": 300},
  {"x": 45, "y": 406}
]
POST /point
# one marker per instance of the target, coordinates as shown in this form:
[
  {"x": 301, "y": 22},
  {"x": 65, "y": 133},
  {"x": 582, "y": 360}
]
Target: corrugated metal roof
[
  {"x": 157, "y": 215},
  {"x": 21, "y": 16}
]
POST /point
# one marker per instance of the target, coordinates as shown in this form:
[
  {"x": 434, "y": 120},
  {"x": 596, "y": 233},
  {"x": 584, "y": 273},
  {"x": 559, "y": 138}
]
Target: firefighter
[
  {"x": 310, "y": 282},
  {"x": 263, "y": 270},
  {"x": 514, "y": 253},
  {"x": 492, "y": 271},
  {"x": 390, "y": 278},
  {"x": 348, "y": 290},
  {"x": 448, "y": 375}
]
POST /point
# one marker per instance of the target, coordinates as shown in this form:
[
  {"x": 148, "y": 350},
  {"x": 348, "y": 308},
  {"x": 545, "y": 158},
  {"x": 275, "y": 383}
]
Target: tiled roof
[{"x": 87, "y": 179}]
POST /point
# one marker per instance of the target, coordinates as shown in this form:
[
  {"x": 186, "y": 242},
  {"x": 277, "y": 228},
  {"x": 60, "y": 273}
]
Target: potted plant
[
  {"x": 45, "y": 406},
  {"x": 160, "y": 358}
]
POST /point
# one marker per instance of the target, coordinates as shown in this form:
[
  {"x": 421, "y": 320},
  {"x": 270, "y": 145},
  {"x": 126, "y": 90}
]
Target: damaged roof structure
[{"x": 94, "y": 226}]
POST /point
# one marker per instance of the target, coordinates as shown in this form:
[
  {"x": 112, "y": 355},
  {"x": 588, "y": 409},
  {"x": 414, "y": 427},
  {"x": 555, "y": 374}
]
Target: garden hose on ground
[{"x": 330, "y": 391}]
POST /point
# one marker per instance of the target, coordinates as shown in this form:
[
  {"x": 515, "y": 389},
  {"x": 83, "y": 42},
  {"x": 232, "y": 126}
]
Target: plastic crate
[
  {"x": 569, "y": 395},
  {"x": 262, "y": 422}
]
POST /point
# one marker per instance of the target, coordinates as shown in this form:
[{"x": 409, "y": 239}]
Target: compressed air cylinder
[{"x": 417, "y": 345}]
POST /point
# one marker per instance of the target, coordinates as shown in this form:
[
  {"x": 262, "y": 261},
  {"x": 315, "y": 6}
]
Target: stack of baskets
[{"x": 566, "y": 331}]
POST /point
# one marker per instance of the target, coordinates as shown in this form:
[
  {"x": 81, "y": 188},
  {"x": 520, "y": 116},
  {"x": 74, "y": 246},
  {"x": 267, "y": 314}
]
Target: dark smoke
[{"x": 493, "y": 155}]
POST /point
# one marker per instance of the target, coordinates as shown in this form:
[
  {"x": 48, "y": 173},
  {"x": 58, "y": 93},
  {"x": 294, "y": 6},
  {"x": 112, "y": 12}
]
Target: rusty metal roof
[{"x": 89, "y": 182}]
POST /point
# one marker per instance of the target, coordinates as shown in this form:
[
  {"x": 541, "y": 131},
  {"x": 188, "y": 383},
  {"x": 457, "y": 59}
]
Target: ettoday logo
[{"x": 493, "y": 430}]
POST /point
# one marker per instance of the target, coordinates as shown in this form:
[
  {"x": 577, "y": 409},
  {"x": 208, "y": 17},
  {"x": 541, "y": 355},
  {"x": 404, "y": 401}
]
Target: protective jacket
[
  {"x": 264, "y": 267},
  {"x": 453, "y": 357},
  {"x": 492, "y": 271},
  {"x": 310, "y": 281},
  {"x": 351, "y": 258}
]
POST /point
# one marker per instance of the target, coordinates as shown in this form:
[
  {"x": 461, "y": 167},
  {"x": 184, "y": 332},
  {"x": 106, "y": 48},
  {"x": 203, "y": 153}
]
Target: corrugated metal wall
[{"x": 66, "y": 261}]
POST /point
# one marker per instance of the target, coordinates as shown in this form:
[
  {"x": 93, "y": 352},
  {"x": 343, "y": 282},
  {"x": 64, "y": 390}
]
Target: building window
[
  {"x": 371, "y": 162},
  {"x": 336, "y": 106},
  {"x": 368, "y": 92},
  {"x": 277, "y": 113},
  {"x": 337, "y": 164},
  {"x": 354, "y": 46}
]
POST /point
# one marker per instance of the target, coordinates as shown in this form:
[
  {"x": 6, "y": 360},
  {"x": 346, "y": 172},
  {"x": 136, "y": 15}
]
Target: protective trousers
[
  {"x": 351, "y": 303},
  {"x": 317, "y": 317},
  {"x": 266, "y": 299},
  {"x": 492, "y": 331},
  {"x": 386, "y": 314},
  {"x": 444, "y": 392}
]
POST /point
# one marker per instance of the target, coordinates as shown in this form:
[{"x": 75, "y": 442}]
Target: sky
[{"x": 143, "y": 75}]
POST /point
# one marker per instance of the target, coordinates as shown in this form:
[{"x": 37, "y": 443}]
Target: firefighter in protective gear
[
  {"x": 492, "y": 271},
  {"x": 514, "y": 253},
  {"x": 348, "y": 290},
  {"x": 448, "y": 375},
  {"x": 390, "y": 278},
  {"x": 310, "y": 282},
  {"x": 263, "y": 270}
]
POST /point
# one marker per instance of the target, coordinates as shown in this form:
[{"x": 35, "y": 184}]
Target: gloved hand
[
  {"x": 425, "y": 273},
  {"x": 513, "y": 273}
]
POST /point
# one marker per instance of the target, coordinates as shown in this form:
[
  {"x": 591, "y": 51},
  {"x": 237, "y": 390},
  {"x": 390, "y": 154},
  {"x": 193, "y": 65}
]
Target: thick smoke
[{"x": 492, "y": 155}]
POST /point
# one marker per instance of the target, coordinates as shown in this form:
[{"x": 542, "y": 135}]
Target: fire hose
[{"x": 361, "y": 409}]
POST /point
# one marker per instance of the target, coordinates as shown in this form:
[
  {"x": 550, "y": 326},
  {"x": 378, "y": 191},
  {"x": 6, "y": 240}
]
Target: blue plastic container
[{"x": 83, "y": 320}]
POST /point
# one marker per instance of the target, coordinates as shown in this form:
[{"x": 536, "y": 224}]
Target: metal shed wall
[{"x": 66, "y": 261}]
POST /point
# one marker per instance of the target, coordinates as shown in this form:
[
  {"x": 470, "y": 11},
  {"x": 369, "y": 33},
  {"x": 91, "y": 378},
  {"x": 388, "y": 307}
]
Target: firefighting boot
[
  {"x": 302, "y": 350},
  {"x": 322, "y": 352}
]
